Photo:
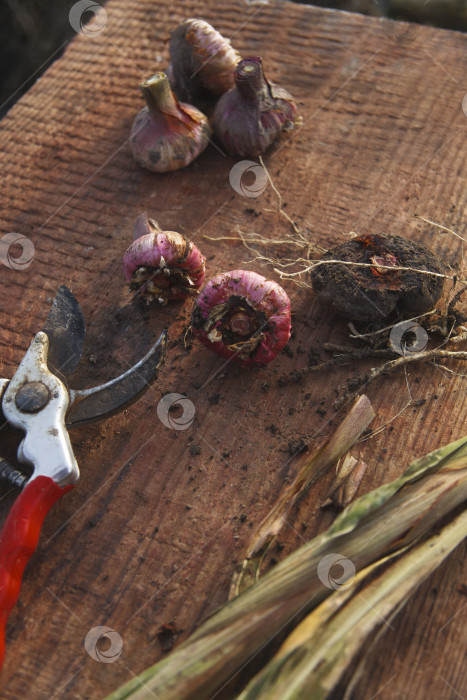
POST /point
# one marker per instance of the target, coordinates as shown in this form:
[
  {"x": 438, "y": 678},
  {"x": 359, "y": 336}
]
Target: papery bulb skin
[
  {"x": 201, "y": 60},
  {"x": 162, "y": 265},
  {"x": 243, "y": 316},
  {"x": 166, "y": 134},
  {"x": 249, "y": 117}
]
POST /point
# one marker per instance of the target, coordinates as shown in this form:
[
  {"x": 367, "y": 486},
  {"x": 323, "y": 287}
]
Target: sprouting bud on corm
[
  {"x": 243, "y": 316},
  {"x": 166, "y": 134},
  {"x": 201, "y": 60},
  {"x": 249, "y": 117},
  {"x": 162, "y": 265}
]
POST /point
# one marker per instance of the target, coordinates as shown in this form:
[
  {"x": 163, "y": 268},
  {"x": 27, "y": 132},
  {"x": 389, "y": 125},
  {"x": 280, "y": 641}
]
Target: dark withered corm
[{"x": 372, "y": 294}]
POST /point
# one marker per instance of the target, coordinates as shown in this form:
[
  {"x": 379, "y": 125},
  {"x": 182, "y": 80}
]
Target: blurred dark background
[
  {"x": 449, "y": 14},
  {"x": 34, "y": 33}
]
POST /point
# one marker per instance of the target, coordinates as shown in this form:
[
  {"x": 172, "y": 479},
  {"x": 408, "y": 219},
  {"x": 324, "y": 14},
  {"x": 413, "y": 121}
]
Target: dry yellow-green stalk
[
  {"x": 314, "y": 658},
  {"x": 388, "y": 519}
]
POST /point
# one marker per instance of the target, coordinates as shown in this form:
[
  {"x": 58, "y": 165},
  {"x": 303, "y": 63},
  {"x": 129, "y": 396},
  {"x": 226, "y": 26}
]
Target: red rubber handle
[{"x": 19, "y": 538}]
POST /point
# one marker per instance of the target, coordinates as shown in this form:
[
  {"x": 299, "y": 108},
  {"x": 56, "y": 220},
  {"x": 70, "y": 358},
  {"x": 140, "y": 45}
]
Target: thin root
[
  {"x": 279, "y": 197},
  {"x": 356, "y": 334},
  {"x": 443, "y": 228},
  {"x": 364, "y": 380}
]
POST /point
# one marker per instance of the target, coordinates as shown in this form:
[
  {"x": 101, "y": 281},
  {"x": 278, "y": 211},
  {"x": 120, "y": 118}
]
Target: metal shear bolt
[{"x": 31, "y": 397}]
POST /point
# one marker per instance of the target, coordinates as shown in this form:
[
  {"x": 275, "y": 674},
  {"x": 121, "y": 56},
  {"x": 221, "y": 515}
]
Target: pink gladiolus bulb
[
  {"x": 162, "y": 265},
  {"x": 249, "y": 117},
  {"x": 244, "y": 316}
]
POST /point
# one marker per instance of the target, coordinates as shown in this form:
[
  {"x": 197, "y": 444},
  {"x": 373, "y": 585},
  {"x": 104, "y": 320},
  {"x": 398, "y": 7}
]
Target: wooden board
[{"x": 160, "y": 519}]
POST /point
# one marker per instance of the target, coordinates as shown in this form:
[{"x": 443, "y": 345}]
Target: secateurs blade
[{"x": 38, "y": 401}]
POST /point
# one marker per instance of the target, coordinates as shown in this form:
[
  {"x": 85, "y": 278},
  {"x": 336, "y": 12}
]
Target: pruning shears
[{"x": 38, "y": 401}]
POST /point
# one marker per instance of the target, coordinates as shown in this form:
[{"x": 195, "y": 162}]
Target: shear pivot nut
[{"x": 31, "y": 397}]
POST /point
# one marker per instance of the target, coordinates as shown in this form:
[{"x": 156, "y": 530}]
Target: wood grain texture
[{"x": 153, "y": 532}]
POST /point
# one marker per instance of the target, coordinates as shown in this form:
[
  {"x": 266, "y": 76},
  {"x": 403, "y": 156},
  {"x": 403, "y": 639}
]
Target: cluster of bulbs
[{"x": 206, "y": 72}]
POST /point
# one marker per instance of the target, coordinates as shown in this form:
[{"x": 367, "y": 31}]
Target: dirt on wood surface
[{"x": 149, "y": 539}]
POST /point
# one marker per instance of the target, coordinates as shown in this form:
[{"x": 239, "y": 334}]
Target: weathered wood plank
[{"x": 153, "y": 532}]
